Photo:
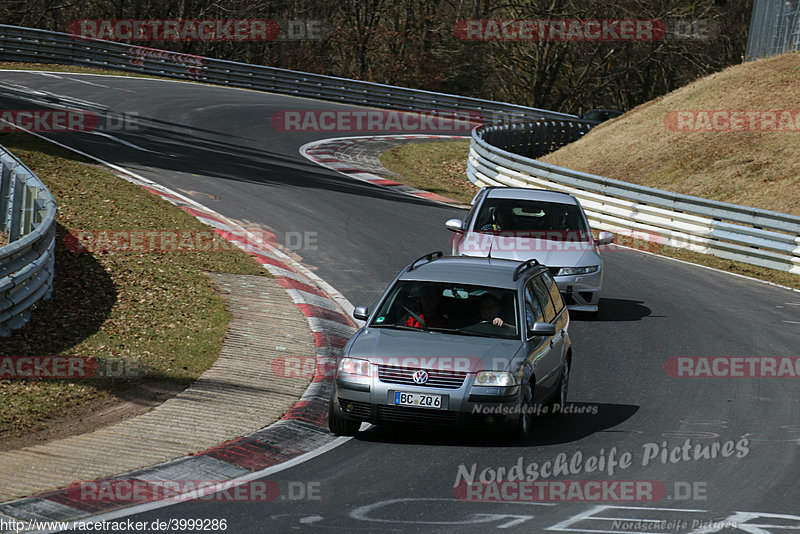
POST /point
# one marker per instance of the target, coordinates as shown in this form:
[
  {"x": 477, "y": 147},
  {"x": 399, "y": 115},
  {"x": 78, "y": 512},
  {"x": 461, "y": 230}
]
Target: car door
[
  {"x": 537, "y": 347},
  {"x": 553, "y": 360}
]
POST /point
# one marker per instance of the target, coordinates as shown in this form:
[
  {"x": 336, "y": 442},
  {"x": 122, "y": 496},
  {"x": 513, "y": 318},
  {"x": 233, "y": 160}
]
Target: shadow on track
[
  {"x": 547, "y": 430},
  {"x": 615, "y": 310},
  {"x": 177, "y": 148}
]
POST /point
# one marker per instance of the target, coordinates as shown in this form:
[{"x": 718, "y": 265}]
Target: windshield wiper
[
  {"x": 460, "y": 332},
  {"x": 396, "y": 326}
]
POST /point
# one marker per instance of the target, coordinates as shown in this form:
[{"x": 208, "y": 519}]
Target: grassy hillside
[{"x": 755, "y": 168}]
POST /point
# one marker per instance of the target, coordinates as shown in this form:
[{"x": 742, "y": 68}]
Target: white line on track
[
  {"x": 89, "y": 83},
  {"x": 124, "y": 142}
]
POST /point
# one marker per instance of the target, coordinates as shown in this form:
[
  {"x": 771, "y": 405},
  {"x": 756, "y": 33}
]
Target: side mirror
[
  {"x": 604, "y": 238},
  {"x": 361, "y": 313},
  {"x": 455, "y": 225},
  {"x": 542, "y": 329}
]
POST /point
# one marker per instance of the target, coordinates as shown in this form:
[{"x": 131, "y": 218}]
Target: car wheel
[
  {"x": 338, "y": 424},
  {"x": 560, "y": 400},
  {"x": 524, "y": 425}
]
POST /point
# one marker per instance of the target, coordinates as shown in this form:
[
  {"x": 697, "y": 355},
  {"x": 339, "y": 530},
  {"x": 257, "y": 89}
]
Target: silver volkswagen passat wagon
[
  {"x": 518, "y": 223},
  {"x": 457, "y": 341}
]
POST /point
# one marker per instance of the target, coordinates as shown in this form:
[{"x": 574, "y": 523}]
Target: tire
[
  {"x": 524, "y": 425},
  {"x": 560, "y": 399},
  {"x": 338, "y": 424}
]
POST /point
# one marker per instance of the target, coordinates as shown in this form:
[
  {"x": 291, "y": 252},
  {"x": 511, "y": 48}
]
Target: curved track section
[{"x": 216, "y": 145}]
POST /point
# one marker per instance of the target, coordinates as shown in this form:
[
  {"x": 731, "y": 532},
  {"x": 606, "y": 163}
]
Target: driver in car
[
  {"x": 490, "y": 310},
  {"x": 502, "y": 220}
]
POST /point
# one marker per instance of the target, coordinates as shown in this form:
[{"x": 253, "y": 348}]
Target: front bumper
[
  {"x": 466, "y": 406},
  {"x": 581, "y": 292}
]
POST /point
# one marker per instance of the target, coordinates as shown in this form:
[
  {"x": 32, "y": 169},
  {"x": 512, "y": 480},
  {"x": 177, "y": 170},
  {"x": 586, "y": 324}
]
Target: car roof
[
  {"x": 525, "y": 193},
  {"x": 489, "y": 272}
]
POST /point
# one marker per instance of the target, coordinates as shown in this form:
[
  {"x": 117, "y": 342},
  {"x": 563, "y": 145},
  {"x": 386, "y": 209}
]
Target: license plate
[{"x": 418, "y": 400}]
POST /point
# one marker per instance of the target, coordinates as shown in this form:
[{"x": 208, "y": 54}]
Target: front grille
[
  {"x": 401, "y": 414},
  {"x": 436, "y": 378},
  {"x": 362, "y": 410}
]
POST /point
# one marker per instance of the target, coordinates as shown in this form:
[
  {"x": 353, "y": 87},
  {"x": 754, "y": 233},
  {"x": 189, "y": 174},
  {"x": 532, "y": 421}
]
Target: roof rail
[
  {"x": 430, "y": 257},
  {"x": 524, "y": 266}
]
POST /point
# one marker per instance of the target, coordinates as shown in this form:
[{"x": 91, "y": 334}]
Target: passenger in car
[
  {"x": 553, "y": 220},
  {"x": 429, "y": 310}
]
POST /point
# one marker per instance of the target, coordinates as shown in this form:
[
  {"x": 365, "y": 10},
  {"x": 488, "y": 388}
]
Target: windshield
[
  {"x": 531, "y": 218},
  {"x": 450, "y": 308}
]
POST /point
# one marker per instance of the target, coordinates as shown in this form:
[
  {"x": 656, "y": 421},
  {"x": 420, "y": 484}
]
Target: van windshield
[
  {"x": 450, "y": 308},
  {"x": 531, "y": 218}
]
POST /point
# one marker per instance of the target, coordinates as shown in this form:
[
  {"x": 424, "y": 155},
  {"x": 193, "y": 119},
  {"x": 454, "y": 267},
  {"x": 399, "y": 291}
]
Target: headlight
[
  {"x": 353, "y": 366},
  {"x": 493, "y": 378},
  {"x": 568, "y": 271}
]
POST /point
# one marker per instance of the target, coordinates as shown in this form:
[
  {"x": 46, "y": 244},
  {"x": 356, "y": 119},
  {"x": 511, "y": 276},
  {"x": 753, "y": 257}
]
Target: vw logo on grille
[{"x": 420, "y": 377}]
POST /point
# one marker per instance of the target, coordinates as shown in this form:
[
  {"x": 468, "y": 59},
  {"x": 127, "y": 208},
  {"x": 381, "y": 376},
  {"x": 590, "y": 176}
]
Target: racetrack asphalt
[{"x": 217, "y": 146}]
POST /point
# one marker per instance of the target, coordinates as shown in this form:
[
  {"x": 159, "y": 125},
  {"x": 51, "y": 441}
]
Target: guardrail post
[
  {"x": 39, "y": 208},
  {"x": 51, "y": 263},
  {"x": 14, "y": 214},
  {"x": 28, "y": 208},
  {"x": 5, "y": 193}
]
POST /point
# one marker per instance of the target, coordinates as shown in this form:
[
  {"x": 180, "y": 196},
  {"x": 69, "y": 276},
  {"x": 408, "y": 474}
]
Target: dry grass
[{"x": 439, "y": 167}]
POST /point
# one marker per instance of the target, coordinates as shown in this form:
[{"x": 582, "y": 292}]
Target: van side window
[
  {"x": 555, "y": 294},
  {"x": 533, "y": 308},
  {"x": 547, "y": 302}
]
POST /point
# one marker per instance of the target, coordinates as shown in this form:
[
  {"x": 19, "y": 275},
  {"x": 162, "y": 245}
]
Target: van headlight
[
  {"x": 494, "y": 378},
  {"x": 354, "y": 366}
]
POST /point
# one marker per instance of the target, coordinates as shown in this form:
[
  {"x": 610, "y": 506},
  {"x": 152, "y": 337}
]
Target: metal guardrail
[
  {"x": 28, "y": 213},
  {"x": 750, "y": 235},
  {"x": 42, "y": 46},
  {"x": 774, "y": 28},
  {"x": 537, "y": 138}
]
